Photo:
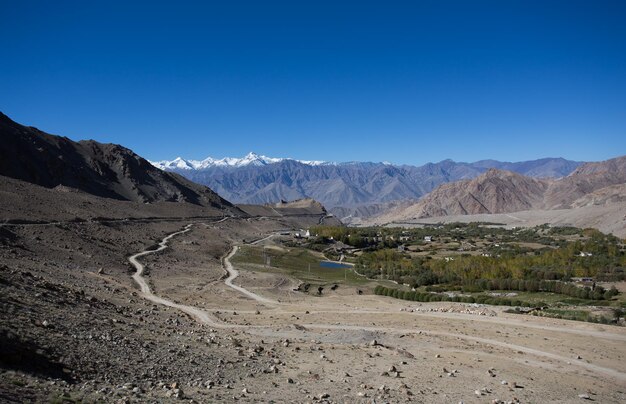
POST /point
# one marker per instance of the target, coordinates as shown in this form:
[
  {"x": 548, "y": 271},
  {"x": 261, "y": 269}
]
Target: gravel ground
[{"x": 75, "y": 327}]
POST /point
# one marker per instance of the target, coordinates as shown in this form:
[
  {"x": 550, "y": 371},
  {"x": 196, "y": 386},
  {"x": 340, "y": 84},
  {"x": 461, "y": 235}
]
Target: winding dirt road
[
  {"x": 233, "y": 273},
  {"x": 146, "y": 292},
  {"x": 206, "y": 318}
]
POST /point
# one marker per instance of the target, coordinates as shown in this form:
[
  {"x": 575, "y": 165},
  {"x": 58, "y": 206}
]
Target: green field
[
  {"x": 298, "y": 263},
  {"x": 545, "y": 298}
]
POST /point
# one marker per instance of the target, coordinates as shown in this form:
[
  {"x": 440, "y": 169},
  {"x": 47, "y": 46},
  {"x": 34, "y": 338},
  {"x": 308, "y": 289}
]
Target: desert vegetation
[
  {"x": 468, "y": 254},
  {"x": 557, "y": 270}
]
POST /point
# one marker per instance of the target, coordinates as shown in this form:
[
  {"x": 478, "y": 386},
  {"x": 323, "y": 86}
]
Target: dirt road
[
  {"x": 233, "y": 273},
  {"x": 207, "y": 318}
]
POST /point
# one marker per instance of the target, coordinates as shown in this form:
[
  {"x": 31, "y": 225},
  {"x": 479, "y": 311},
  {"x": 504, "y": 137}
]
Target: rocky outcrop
[
  {"x": 104, "y": 170},
  {"x": 586, "y": 179}
]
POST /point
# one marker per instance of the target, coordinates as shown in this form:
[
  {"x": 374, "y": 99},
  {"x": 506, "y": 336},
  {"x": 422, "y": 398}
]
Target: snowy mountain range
[
  {"x": 251, "y": 159},
  {"x": 346, "y": 189}
]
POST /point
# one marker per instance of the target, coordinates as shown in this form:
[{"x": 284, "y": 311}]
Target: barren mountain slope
[
  {"x": 492, "y": 192},
  {"x": 301, "y": 208},
  {"x": 611, "y": 195},
  {"x": 584, "y": 180},
  {"x": 542, "y": 168},
  {"x": 24, "y": 202},
  {"x": 104, "y": 170}
]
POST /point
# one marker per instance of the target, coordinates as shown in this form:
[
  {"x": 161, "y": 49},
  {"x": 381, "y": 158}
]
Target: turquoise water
[{"x": 328, "y": 264}]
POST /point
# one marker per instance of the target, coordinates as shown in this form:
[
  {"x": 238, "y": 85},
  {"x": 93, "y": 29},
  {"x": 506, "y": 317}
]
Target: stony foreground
[{"x": 74, "y": 326}]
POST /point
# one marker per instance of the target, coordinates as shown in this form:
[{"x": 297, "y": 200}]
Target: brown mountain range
[
  {"x": 498, "y": 191},
  {"x": 104, "y": 170}
]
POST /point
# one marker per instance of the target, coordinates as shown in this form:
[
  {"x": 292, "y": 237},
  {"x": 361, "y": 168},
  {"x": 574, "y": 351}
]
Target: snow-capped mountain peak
[
  {"x": 250, "y": 159},
  {"x": 181, "y": 163}
]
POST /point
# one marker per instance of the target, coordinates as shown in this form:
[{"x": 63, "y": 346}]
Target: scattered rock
[
  {"x": 323, "y": 396},
  {"x": 175, "y": 393}
]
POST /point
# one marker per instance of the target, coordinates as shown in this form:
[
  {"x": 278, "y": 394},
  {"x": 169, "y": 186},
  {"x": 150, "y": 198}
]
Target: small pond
[{"x": 330, "y": 264}]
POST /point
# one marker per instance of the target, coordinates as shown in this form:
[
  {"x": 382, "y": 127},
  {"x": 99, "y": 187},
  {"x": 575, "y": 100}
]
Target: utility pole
[
  {"x": 267, "y": 259},
  {"x": 264, "y": 257}
]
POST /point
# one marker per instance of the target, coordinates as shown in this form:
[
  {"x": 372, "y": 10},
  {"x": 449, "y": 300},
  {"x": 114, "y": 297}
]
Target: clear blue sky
[{"x": 405, "y": 82}]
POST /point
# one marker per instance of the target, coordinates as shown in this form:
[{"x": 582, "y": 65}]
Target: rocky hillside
[
  {"x": 308, "y": 211},
  {"x": 498, "y": 191},
  {"x": 613, "y": 194},
  {"x": 104, "y": 170},
  {"x": 495, "y": 191},
  {"x": 586, "y": 179}
]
